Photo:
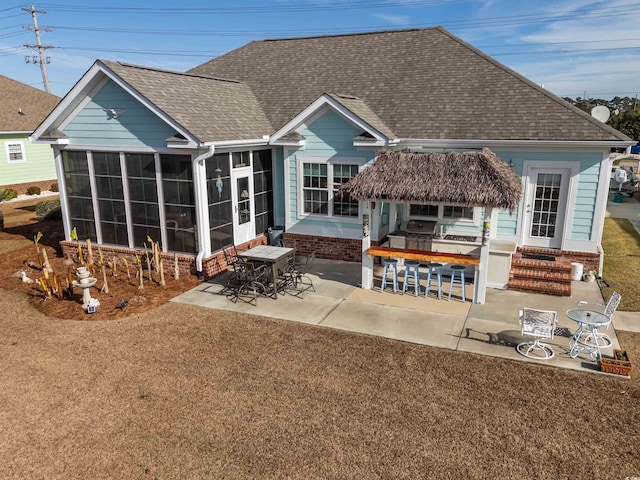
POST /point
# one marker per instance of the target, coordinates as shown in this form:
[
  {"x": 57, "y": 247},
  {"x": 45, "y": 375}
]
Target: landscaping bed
[{"x": 18, "y": 253}]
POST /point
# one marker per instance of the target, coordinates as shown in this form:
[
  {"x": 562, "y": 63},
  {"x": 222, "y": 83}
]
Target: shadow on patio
[{"x": 489, "y": 329}]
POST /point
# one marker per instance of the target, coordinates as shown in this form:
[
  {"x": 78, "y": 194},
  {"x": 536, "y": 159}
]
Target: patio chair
[
  {"x": 231, "y": 255},
  {"x": 538, "y": 324},
  {"x": 247, "y": 282},
  {"x": 296, "y": 276},
  {"x": 594, "y": 337}
]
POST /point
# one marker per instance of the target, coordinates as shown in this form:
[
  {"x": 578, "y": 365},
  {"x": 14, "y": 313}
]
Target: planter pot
[{"x": 616, "y": 366}]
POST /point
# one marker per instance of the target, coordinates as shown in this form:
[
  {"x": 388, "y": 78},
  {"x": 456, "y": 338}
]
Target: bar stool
[
  {"x": 457, "y": 270},
  {"x": 437, "y": 269},
  {"x": 411, "y": 271},
  {"x": 393, "y": 263}
]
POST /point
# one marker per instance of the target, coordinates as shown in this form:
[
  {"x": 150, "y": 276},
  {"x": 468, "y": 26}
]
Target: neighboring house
[
  {"x": 266, "y": 135},
  {"x": 23, "y": 164}
]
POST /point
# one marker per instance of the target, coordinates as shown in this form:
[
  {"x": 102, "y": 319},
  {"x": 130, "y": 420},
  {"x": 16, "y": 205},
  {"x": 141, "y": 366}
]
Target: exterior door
[
  {"x": 243, "y": 206},
  {"x": 545, "y": 207}
]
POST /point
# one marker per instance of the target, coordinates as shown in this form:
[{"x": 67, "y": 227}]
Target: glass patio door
[
  {"x": 545, "y": 207},
  {"x": 243, "y": 207}
]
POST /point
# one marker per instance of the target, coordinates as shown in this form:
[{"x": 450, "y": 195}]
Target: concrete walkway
[
  {"x": 489, "y": 329},
  {"x": 629, "y": 209}
]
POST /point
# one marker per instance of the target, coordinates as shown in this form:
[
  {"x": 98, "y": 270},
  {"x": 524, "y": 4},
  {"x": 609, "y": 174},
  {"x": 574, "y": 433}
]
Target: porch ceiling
[{"x": 477, "y": 178}]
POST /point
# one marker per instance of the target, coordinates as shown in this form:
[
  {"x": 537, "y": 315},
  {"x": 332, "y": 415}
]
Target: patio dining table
[
  {"x": 276, "y": 257},
  {"x": 587, "y": 320}
]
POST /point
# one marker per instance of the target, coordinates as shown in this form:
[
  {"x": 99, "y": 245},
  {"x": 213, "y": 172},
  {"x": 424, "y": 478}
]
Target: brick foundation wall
[
  {"x": 211, "y": 266},
  {"x": 21, "y": 188},
  {"x": 591, "y": 261},
  {"x": 345, "y": 249},
  {"x": 216, "y": 264}
]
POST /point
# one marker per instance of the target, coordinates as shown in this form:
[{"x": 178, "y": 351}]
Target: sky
[{"x": 573, "y": 48}]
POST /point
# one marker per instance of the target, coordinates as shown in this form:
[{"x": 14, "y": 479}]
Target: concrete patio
[{"x": 488, "y": 329}]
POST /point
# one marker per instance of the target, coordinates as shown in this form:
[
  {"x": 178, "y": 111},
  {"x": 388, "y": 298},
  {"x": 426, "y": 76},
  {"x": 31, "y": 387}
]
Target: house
[
  {"x": 270, "y": 134},
  {"x": 23, "y": 164}
]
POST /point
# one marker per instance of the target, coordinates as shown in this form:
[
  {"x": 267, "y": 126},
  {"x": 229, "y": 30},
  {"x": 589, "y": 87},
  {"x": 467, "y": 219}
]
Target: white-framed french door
[
  {"x": 545, "y": 206},
  {"x": 243, "y": 205}
]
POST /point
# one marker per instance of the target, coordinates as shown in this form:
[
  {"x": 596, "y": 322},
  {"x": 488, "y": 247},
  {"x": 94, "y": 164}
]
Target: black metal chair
[
  {"x": 247, "y": 282},
  {"x": 297, "y": 280}
]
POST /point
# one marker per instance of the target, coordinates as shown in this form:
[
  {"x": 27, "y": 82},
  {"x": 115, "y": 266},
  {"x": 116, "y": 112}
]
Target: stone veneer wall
[
  {"x": 349, "y": 250},
  {"x": 211, "y": 266}
]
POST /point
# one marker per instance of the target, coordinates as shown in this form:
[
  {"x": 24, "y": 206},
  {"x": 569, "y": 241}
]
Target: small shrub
[
  {"x": 54, "y": 187},
  {"x": 49, "y": 210},
  {"x": 8, "y": 194},
  {"x": 33, "y": 190}
]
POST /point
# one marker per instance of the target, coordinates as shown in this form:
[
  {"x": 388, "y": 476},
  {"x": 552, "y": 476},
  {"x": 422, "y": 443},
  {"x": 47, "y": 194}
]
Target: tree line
[{"x": 627, "y": 118}]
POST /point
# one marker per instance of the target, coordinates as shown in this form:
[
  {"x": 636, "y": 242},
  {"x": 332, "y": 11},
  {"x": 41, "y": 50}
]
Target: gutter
[
  {"x": 201, "y": 206},
  {"x": 479, "y": 143}
]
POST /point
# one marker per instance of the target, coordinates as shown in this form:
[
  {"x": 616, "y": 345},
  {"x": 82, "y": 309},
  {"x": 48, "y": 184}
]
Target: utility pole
[{"x": 38, "y": 46}]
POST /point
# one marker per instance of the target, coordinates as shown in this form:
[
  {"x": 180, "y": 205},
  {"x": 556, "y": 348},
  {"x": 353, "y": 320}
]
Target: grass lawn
[
  {"x": 621, "y": 244},
  {"x": 186, "y": 392}
]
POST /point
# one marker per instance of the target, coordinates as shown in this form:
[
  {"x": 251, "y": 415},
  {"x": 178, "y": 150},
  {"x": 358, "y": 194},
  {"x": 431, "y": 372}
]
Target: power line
[
  {"x": 459, "y": 24},
  {"x": 353, "y": 5}
]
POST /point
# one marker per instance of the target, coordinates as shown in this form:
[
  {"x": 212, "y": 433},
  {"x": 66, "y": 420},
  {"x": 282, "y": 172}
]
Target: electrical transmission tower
[{"x": 41, "y": 59}]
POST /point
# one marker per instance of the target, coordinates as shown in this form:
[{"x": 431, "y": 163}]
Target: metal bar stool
[
  {"x": 411, "y": 272},
  {"x": 393, "y": 263},
  {"x": 457, "y": 271},
  {"x": 437, "y": 269}
]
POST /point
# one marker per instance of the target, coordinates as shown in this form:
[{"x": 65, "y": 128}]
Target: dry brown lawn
[
  {"x": 621, "y": 244},
  {"x": 187, "y": 392}
]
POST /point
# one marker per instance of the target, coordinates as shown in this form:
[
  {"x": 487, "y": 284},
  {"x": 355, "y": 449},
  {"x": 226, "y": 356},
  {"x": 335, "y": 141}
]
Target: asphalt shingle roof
[
  {"x": 212, "y": 109},
  {"x": 15, "y": 96},
  {"x": 421, "y": 83}
]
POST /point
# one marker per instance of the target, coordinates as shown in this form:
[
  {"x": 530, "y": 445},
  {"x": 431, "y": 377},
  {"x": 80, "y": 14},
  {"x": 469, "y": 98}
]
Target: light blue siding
[
  {"x": 329, "y": 136},
  {"x": 136, "y": 126},
  {"x": 278, "y": 184},
  {"x": 586, "y": 193}
]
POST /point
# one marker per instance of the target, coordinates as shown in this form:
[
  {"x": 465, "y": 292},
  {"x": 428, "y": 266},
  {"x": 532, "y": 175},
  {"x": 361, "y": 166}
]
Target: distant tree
[
  {"x": 628, "y": 123},
  {"x": 627, "y": 120}
]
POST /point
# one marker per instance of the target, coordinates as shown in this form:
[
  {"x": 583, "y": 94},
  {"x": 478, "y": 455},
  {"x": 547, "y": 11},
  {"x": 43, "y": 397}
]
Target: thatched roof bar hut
[{"x": 476, "y": 178}]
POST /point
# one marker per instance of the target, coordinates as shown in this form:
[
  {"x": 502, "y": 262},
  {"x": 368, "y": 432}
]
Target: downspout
[
  {"x": 600, "y": 259},
  {"x": 201, "y": 205}
]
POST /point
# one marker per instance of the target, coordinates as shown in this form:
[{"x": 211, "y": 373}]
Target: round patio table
[{"x": 586, "y": 319}]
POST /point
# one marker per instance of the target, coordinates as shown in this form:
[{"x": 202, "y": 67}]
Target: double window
[
  {"x": 15, "y": 152},
  {"x": 451, "y": 213},
  {"x": 320, "y": 180}
]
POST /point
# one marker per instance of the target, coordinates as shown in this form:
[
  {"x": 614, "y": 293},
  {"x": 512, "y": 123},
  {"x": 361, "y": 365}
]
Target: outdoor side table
[{"x": 586, "y": 319}]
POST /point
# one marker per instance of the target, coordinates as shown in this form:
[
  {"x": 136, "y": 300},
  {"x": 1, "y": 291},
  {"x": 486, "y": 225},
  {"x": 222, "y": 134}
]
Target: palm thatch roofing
[{"x": 477, "y": 178}]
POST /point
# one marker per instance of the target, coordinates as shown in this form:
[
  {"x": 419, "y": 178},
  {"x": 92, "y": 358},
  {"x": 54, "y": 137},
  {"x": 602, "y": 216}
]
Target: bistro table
[
  {"x": 586, "y": 319},
  {"x": 277, "y": 257}
]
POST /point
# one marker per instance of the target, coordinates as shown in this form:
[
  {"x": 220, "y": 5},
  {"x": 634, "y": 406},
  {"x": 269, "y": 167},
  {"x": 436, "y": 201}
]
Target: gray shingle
[
  {"x": 212, "y": 109},
  {"x": 34, "y": 104},
  {"x": 421, "y": 83}
]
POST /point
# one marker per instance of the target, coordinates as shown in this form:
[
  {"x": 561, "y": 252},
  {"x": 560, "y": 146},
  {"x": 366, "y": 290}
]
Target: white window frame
[
  {"x": 329, "y": 162},
  {"x": 475, "y": 221},
  {"x": 23, "y": 153}
]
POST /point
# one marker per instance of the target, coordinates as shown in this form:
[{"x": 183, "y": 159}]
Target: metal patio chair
[
  {"x": 296, "y": 278},
  {"x": 539, "y": 324},
  {"x": 594, "y": 337},
  {"x": 247, "y": 282}
]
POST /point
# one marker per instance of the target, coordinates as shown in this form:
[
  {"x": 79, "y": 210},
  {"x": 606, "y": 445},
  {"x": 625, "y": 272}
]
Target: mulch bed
[{"x": 16, "y": 255}]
